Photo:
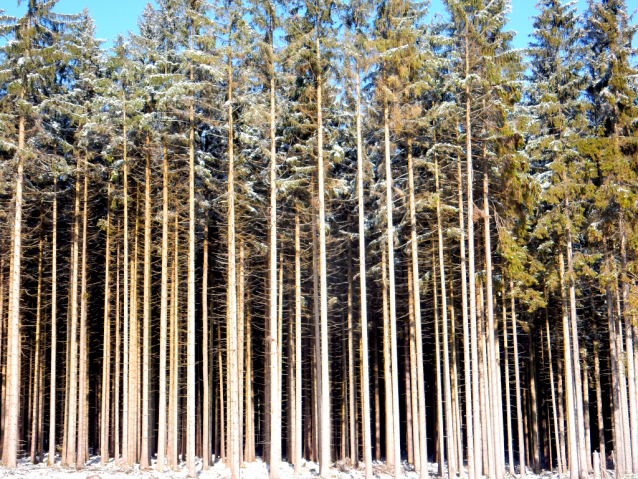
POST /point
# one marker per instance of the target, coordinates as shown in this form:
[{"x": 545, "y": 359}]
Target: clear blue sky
[{"x": 119, "y": 16}]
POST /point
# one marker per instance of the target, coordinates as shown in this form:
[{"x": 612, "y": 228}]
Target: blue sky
[{"x": 119, "y": 16}]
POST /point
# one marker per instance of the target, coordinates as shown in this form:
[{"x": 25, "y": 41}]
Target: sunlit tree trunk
[
  {"x": 54, "y": 326},
  {"x": 517, "y": 380},
  {"x": 392, "y": 296},
  {"x": 551, "y": 380},
  {"x": 106, "y": 354},
  {"x": 298, "y": 355},
  {"x": 82, "y": 440},
  {"x": 569, "y": 381},
  {"x": 387, "y": 359},
  {"x": 365, "y": 372},
  {"x": 273, "y": 346},
  {"x": 206, "y": 453},
  {"x": 36, "y": 405},
  {"x": 324, "y": 448},
  {"x": 162, "y": 419},
  {"x": 71, "y": 432},
  {"x": 144, "y": 447},
  {"x": 12, "y": 395}
]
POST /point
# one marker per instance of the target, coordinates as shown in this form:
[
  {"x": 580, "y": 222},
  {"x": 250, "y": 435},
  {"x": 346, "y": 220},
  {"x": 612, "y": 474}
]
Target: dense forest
[{"x": 336, "y": 231}]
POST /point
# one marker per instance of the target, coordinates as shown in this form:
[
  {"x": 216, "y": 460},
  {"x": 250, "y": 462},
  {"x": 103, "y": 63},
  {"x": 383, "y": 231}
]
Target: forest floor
[{"x": 255, "y": 470}]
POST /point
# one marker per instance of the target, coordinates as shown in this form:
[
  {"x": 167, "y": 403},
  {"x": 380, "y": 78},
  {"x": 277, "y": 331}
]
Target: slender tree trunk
[
  {"x": 471, "y": 470},
  {"x": 494, "y": 370},
  {"x": 451, "y": 454},
  {"x": 273, "y": 346},
  {"x": 125, "y": 288},
  {"x": 161, "y": 422},
  {"x": 12, "y": 397},
  {"x": 174, "y": 348},
  {"x": 354, "y": 443},
  {"x": 298, "y": 356},
  {"x": 561, "y": 414},
  {"x": 510, "y": 442},
  {"x": 551, "y": 380},
  {"x": 535, "y": 440},
  {"x": 622, "y": 379},
  {"x": 587, "y": 423},
  {"x": 571, "y": 418},
  {"x": 54, "y": 326},
  {"x": 324, "y": 449},
  {"x": 206, "y": 454},
  {"x": 71, "y": 432},
  {"x": 82, "y": 441},
  {"x": 517, "y": 379},
  {"x": 116, "y": 390},
  {"x": 316, "y": 367},
  {"x": 377, "y": 396},
  {"x": 365, "y": 372},
  {"x": 413, "y": 374},
  {"x": 249, "y": 453},
  {"x": 580, "y": 417},
  {"x": 439, "y": 393},
  {"x": 629, "y": 339},
  {"x": 392, "y": 296},
  {"x": 144, "y": 447},
  {"x": 190, "y": 353},
  {"x": 240, "y": 351},
  {"x": 106, "y": 355},
  {"x": 37, "y": 405},
  {"x": 599, "y": 404},
  {"x": 387, "y": 378},
  {"x": 476, "y": 420}
]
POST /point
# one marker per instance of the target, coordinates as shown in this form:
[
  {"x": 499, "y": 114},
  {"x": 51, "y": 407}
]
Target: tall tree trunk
[
  {"x": 71, "y": 432},
  {"x": 232, "y": 360},
  {"x": 298, "y": 356},
  {"x": 190, "y": 341},
  {"x": 206, "y": 453},
  {"x": 494, "y": 370},
  {"x": 517, "y": 379},
  {"x": 125, "y": 288},
  {"x": 599, "y": 404},
  {"x": 37, "y": 405},
  {"x": 571, "y": 418},
  {"x": 392, "y": 295},
  {"x": 551, "y": 380},
  {"x": 106, "y": 354},
  {"x": 144, "y": 447},
  {"x": 471, "y": 469},
  {"x": 82, "y": 441},
  {"x": 240, "y": 350},
  {"x": 324, "y": 449},
  {"x": 476, "y": 420},
  {"x": 510, "y": 441},
  {"x": 413, "y": 373},
  {"x": 273, "y": 346},
  {"x": 116, "y": 388},
  {"x": 249, "y": 453},
  {"x": 439, "y": 394},
  {"x": 387, "y": 360},
  {"x": 580, "y": 417},
  {"x": 630, "y": 340},
  {"x": 54, "y": 326},
  {"x": 161, "y": 422},
  {"x": 354, "y": 443},
  {"x": 451, "y": 453},
  {"x": 365, "y": 372},
  {"x": 10, "y": 447}
]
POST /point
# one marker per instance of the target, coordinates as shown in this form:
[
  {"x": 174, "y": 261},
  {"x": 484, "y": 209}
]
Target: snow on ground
[{"x": 255, "y": 470}]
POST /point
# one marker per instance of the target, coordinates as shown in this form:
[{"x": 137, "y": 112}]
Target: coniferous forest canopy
[{"x": 321, "y": 230}]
